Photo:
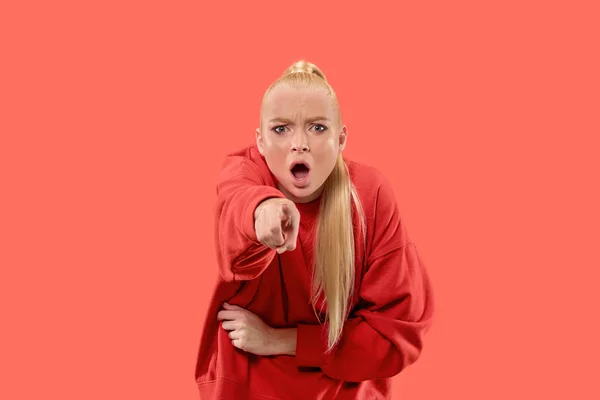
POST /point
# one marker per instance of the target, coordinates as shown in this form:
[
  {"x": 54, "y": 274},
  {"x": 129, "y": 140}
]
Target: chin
[{"x": 301, "y": 194}]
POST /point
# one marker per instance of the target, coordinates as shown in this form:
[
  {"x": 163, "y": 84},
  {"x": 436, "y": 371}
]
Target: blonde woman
[{"x": 322, "y": 294}]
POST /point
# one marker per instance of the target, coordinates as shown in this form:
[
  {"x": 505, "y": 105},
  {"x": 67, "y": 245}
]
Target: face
[{"x": 300, "y": 126}]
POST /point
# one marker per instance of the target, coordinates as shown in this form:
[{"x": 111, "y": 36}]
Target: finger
[
  {"x": 291, "y": 246},
  {"x": 285, "y": 217},
  {"x": 228, "y": 306},
  {"x": 230, "y": 325},
  {"x": 275, "y": 227},
  {"x": 291, "y": 237},
  {"x": 237, "y": 343},
  {"x": 284, "y": 210},
  {"x": 288, "y": 220},
  {"x": 277, "y": 234},
  {"x": 228, "y": 315},
  {"x": 285, "y": 222},
  {"x": 235, "y": 334},
  {"x": 280, "y": 246}
]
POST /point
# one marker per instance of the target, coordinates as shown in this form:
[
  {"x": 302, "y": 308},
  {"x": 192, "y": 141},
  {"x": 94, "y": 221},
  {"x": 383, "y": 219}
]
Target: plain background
[{"x": 115, "y": 117}]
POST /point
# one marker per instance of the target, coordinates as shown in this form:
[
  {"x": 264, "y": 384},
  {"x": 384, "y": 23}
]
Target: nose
[
  {"x": 299, "y": 144},
  {"x": 302, "y": 148}
]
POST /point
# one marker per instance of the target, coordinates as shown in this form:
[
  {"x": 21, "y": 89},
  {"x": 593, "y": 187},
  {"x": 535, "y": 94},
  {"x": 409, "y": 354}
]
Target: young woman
[{"x": 322, "y": 294}]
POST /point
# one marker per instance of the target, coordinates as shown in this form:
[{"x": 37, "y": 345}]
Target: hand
[
  {"x": 246, "y": 330},
  {"x": 249, "y": 333},
  {"x": 276, "y": 222}
]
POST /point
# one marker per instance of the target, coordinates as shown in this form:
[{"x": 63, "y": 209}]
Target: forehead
[{"x": 286, "y": 101}]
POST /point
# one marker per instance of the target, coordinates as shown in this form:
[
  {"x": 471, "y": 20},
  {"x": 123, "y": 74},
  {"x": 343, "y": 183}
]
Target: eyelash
[{"x": 274, "y": 129}]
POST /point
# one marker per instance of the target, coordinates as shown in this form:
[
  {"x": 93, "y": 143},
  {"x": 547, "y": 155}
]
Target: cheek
[
  {"x": 276, "y": 159},
  {"x": 326, "y": 144},
  {"x": 325, "y": 161},
  {"x": 276, "y": 148},
  {"x": 273, "y": 147},
  {"x": 326, "y": 151}
]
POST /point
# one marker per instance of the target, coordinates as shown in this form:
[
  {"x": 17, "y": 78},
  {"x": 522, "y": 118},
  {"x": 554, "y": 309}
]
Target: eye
[
  {"x": 320, "y": 128},
  {"x": 277, "y": 129}
]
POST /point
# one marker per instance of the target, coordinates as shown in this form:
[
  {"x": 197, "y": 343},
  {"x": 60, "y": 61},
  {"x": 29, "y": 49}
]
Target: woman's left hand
[{"x": 247, "y": 331}]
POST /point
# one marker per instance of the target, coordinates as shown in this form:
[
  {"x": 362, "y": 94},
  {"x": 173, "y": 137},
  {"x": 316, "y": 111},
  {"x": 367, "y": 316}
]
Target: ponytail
[
  {"x": 333, "y": 272},
  {"x": 334, "y": 251}
]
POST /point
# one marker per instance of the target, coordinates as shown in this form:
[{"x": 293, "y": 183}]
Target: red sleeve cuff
[
  {"x": 253, "y": 202},
  {"x": 310, "y": 345}
]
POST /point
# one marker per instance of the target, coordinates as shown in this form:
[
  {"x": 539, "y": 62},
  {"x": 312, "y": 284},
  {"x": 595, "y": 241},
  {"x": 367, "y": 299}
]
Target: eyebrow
[{"x": 312, "y": 119}]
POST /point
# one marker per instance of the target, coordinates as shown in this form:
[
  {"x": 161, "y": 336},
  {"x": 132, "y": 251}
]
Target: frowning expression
[{"x": 301, "y": 138}]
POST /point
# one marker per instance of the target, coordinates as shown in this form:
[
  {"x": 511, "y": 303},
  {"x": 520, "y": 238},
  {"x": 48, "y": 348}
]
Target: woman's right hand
[{"x": 276, "y": 222}]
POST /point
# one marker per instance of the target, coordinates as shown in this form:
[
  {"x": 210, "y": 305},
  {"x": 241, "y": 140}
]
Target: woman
[{"x": 321, "y": 294}]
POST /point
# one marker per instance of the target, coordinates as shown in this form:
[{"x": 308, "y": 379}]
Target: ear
[
  {"x": 343, "y": 137},
  {"x": 259, "y": 142}
]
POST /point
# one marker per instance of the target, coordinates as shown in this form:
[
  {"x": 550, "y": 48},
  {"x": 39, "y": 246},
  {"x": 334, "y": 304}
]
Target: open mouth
[{"x": 300, "y": 170}]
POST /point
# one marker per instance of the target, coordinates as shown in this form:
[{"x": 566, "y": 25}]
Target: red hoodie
[{"x": 392, "y": 308}]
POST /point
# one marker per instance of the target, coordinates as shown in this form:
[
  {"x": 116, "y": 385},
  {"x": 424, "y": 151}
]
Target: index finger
[
  {"x": 228, "y": 315},
  {"x": 285, "y": 212}
]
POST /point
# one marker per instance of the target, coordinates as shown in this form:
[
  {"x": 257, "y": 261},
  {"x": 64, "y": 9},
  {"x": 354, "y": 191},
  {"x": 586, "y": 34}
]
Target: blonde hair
[{"x": 334, "y": 259}]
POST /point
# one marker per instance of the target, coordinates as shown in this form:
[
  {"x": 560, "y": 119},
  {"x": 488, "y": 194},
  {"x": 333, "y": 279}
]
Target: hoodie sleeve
[
  {"x": 384, "y": 333},
  {"x": 241, "y": 188}
]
